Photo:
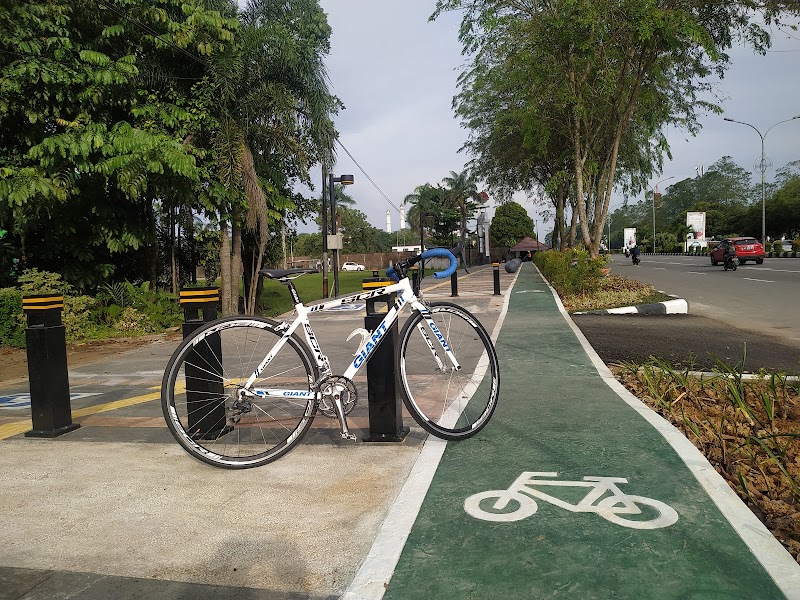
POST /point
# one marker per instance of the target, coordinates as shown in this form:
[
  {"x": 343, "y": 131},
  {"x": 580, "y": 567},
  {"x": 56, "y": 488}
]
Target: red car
[{"x": 747, "y": 248}]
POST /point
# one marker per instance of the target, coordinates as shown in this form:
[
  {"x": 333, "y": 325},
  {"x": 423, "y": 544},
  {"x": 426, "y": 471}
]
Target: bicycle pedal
[{"x": 349, "y": 436}]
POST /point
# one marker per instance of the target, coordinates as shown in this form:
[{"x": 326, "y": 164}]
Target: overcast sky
[{"x": 396, "y": 74}]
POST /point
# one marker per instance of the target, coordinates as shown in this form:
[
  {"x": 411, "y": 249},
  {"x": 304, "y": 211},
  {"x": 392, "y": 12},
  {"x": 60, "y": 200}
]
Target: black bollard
[
  {"x": 454, "y": 285},
  {"x": 385, "y": 406},
  {"x": 205, "y": 391},
  {"x": 51, "y": 413},
  {"x": 496, "y": 269}
]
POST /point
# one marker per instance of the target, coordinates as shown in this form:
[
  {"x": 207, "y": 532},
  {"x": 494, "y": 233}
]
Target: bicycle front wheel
[
  {"x": 449, "y": 400},
  {"x": 210, "y": 412}
]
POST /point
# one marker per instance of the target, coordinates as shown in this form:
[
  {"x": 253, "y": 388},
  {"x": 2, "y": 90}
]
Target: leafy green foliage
[
  {"x": 509, "y": 225},
  {"x": 96, "y": 106},
  {"x": 570, "y": 271},
  {"x": 576, "y": 94},
  {"x": 34, "y": 281},
  {"x": 12, "y": 327}
]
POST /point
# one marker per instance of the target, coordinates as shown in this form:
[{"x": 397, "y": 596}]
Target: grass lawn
[{"x": 275, "y": 299}]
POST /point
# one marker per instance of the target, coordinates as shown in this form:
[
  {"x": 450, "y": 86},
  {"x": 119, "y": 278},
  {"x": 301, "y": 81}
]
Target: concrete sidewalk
[{"x": 116, "y": 509}]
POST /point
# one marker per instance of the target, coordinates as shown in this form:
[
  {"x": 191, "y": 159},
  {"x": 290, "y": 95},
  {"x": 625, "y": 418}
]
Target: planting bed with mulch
[{"x": 748, "y": 429}]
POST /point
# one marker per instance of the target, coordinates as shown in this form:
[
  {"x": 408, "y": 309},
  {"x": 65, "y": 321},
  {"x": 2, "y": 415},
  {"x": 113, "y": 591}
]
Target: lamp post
[
  {"x": 344, "y": 180},
  {"x": 655, "y": 191},
  {"x": 762, "y": 168}
]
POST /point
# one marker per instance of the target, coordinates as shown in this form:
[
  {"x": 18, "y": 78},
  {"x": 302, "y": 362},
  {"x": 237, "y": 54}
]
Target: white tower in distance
[
  {"x": 388, "y": 221},
  {"x": 402, "y": 217}
]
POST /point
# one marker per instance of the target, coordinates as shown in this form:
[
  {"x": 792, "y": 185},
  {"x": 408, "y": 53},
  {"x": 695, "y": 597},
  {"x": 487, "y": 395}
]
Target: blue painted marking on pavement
[{"x": 24, "y": 400}]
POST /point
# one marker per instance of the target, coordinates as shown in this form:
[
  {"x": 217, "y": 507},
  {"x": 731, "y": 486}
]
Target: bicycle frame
[{"x": 405, "y": 295}]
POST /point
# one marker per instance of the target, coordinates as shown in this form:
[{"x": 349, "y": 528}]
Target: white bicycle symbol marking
[{"x": 517, "y": 502}]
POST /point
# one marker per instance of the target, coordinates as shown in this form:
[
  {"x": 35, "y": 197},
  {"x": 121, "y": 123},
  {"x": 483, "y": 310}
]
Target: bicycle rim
[
  {"x": 451, "y": 404},
  {"x": 201, "y": 400}
]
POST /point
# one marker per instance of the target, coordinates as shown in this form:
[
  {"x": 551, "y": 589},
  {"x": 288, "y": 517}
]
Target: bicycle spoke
[{"x": 214, "y": 417}]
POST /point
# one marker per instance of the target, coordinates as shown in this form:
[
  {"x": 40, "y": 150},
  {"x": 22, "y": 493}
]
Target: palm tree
[
  {"x": 275, "y": 123},
  {"x": 462, "y": 193},
  {"x": 440, "y": 216}
]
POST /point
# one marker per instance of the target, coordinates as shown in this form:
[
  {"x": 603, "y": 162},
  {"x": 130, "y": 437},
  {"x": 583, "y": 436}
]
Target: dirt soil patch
[
  {"x": 748, "y": 430},
  {"x": 14, "y": 361}
]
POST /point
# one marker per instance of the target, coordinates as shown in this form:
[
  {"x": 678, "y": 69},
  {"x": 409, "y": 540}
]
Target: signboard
[
  {"x": 629, "y": 237},
  {"x": 697, "y": 221}
]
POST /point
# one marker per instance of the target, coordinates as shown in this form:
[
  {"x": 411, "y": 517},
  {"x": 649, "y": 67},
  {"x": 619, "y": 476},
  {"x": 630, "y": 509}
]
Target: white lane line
[
  {"x": 695, "y": 273},
  {"x": 759, "y": 280},
  {"x": 659, "y": 269},
  {"x": 375, "y": 572},
  {"x": 762, "y": 268},
  {"x": 776, "y": 561}
]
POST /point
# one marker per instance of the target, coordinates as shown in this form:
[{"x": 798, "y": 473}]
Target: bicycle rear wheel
[
  {"x": 214, "y": 418},
  {"x": 448, "y": 403}
]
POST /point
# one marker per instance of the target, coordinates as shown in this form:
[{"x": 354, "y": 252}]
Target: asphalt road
[
  {"x": 685, "y": 341},
  {"x": 760, "y": 298},
  {"x": 732, "y": 316}
]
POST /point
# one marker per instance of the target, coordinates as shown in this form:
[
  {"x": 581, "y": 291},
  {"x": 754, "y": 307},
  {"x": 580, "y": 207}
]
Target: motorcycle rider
[
  {"x": 635, "y": 254},
  {"x": 728, "y": 256}
]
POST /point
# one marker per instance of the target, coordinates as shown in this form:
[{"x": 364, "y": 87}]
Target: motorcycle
[{"x": 730, "y": 261}]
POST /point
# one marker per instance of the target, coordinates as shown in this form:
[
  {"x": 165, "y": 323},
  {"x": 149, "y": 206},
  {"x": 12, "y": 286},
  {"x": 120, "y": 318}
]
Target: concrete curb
[{"x": 678, "y": 306}]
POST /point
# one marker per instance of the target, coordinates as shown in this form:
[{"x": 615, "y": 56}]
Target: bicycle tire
[
  {"x": 201, "y": 383},
  {"x": 449, "y": 404}
]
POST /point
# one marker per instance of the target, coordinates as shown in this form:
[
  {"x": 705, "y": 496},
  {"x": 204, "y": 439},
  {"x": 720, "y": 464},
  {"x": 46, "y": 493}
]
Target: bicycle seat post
[{"x": 292, "y": 290}]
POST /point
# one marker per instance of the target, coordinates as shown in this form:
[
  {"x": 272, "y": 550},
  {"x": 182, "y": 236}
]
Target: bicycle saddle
[{"x": 281, "y": 273}]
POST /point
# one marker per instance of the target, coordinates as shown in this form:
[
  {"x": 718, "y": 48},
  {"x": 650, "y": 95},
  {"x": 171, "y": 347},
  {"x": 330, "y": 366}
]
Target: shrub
[
  {"x": 134, "y": 322},
  {"x": 777, "y": 247},
  {"x": 78, "y": 318},
  {"x": 34, "y": 281},
  {"x": 12, "y": 321},
  {"x": 570, "y": 271}
]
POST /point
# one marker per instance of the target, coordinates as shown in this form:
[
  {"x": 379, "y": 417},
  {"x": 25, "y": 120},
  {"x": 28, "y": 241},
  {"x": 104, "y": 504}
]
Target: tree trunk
[
  {"x": 172, "y": 254},
  {"x": 188, "y": 230},
  {"x": 572, "y": 228},
  {"x": 236, "y": 263},
  {"x": 152, "y": 250},
  {"x": 225, "y": 268}
]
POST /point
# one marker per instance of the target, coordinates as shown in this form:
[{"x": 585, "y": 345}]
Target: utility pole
[{"x": 324, "y": 207}]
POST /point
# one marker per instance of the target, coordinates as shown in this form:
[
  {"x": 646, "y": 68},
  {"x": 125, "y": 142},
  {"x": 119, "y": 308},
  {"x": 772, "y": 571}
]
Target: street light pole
[
  {"x": 654, "y": 209},
  {"x": 344, "y": 180},
  {"x": 762, "y": 168}
]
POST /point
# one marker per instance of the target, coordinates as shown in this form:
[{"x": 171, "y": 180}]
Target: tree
[
  {"x": 275, "y": 114},
  {"x": 97, "y": 104},
  {"x": 462, "y": 194},
  {"x": 603, "y": 77},
  {"x": 440, "y": 218},
  {"x": 510, "y": 224},
  {"x": 783, "y": 210}
]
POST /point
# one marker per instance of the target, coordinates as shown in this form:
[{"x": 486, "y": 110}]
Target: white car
[{"x": 351, "y": 266}]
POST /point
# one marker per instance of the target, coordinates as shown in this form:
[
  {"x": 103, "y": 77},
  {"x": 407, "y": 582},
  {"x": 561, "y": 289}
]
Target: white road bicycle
[{"x": 242, "y": 391}]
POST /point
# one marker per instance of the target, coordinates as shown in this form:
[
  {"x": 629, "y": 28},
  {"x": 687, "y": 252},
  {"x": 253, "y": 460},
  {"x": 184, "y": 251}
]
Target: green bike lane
[{"x": 558, "y": 416}]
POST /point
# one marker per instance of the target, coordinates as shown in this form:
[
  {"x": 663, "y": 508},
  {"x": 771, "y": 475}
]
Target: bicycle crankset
[{"x": 332, "y": 386}]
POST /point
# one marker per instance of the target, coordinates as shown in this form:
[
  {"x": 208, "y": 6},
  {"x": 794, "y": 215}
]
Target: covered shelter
[{"x": 525, "y": 245}]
